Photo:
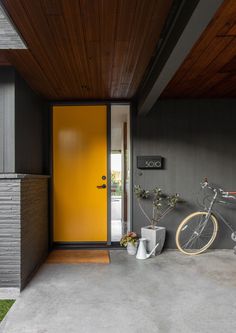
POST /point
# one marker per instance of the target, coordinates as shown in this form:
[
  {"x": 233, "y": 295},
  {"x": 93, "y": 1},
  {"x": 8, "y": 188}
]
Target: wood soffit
[
  {"x": 79, "y": 49},
  {"x": 209, "y": 71}
]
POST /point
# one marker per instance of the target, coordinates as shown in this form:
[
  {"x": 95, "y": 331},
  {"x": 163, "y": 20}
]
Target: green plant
[
  {"x": 162, "y": 204},
  {"x": 130, "y": 237}
]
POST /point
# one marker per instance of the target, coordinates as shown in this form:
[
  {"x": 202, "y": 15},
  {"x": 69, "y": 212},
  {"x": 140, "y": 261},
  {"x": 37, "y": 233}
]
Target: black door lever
[{"x": 102, "y": 186}]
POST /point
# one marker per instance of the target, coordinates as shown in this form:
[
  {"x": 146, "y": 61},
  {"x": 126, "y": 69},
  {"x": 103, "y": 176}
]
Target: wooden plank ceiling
[
  {"x": 3, "y": 59},
  {"x": 210, "y": 68},
  {"x": 86, "y": 49}
]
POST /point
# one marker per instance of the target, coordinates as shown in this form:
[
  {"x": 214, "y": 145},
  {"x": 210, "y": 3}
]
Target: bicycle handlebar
[{"x": 205, "y": 184}]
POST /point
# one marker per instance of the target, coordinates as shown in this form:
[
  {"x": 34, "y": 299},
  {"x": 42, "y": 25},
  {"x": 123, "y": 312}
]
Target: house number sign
[{"x": 149, "y": 162}]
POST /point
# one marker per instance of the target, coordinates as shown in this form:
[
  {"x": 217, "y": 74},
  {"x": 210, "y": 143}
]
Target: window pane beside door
[{"x": 120, "y": 171}]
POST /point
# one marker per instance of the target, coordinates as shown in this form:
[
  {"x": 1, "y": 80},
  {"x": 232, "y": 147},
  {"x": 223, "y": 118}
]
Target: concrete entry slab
[
  {"x": 9, "y": 293},
  {"x": 169, "y": 293}
]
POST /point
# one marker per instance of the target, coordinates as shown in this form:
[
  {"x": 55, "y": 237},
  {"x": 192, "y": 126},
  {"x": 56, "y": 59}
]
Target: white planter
[
  {"x": 132, "y": 249},
  {"x": 154, "y": 236}
]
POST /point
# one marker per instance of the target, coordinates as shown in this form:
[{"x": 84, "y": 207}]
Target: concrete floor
[{"x": 170, "y": 293}]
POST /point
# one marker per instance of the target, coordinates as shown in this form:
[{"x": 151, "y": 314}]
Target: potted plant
[
  {"x": 162, "y": 204},
  {"x": 130, "y": 241}
]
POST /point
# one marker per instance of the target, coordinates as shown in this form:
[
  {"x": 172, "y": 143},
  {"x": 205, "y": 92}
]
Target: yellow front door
[{"x": 79, "y": 166}]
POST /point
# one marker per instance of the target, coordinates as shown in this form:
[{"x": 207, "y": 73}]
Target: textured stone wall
[
  {"x": 10, "y": 233},
  {"x": 34, "y": 225},
  {"x": 23, "y": 228}
]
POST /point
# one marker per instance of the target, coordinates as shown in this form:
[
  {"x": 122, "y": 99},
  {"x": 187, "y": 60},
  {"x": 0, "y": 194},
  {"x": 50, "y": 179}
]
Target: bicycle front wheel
[{"x": 196, "y": 233}]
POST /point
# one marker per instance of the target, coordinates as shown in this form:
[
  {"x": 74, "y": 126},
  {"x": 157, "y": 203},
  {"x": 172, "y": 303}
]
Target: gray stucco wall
[{"x": 197, "y": 138}]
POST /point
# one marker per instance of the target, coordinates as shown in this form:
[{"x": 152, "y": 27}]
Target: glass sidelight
[{"x": 120, "y": 171}]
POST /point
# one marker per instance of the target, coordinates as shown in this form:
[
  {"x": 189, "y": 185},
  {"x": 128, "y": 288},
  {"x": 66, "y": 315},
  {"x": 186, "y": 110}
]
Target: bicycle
[{"x": 197, "y": 231}]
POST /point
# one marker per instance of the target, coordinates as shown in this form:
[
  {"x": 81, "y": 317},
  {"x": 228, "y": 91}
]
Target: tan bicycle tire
[{"x": 189, "y": 217}]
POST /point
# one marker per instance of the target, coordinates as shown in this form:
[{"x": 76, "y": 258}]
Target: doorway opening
[{"x": 120, "y": 171}]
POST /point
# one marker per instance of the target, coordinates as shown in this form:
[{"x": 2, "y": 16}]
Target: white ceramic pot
[
  {"x": 132, "y": 249},
  {"x": 154, "y": 236}
]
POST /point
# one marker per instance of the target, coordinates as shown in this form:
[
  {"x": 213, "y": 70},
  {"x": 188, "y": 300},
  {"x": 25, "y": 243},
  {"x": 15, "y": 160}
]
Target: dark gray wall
[
  {"x": 31, "y": 130},
  {"x": 24, "y": 126},
  {"x": 197, "y": 138},
  {"x": 7, "y": 118},
  {"x": 24, "y": 149}
]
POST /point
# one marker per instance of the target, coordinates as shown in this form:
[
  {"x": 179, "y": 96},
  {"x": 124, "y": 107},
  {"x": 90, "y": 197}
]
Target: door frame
[{"x": 108, "y": 243}]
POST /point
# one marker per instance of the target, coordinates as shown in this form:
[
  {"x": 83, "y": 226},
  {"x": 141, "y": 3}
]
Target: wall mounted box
[{"x": 149, "y": 162}]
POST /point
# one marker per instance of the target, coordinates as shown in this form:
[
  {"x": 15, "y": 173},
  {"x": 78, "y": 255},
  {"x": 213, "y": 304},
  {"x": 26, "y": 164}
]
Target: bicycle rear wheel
[{"x": 196, "y": 233}]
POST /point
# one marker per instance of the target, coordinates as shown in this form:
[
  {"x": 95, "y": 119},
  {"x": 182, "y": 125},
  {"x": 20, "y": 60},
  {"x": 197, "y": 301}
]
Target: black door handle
[{"x": 102, "y": 186}]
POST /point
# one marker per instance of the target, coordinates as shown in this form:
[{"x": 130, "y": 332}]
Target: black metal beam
[{"x": 187, "y": 23}]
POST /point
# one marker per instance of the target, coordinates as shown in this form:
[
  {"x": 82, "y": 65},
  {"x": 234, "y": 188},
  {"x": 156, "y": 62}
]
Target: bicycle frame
[
  {"x": 197, "y": 231},
  {"x": 210, "y": 210}
]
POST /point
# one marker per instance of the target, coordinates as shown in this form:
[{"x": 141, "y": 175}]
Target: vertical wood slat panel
[{"x": 7, "y": 124}]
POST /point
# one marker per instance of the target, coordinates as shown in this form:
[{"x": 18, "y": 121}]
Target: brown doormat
[{"x": 78, "y": 257}]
